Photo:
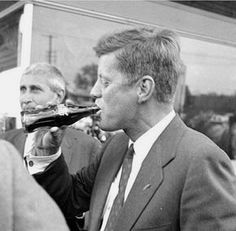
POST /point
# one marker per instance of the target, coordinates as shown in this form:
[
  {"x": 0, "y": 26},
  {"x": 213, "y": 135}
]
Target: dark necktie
[{"x": 119, "y": 200}]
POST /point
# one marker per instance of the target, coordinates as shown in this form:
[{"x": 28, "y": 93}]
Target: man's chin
[
  {"x": 107, "y": 127},
  {"x": 104, "y": 126}
]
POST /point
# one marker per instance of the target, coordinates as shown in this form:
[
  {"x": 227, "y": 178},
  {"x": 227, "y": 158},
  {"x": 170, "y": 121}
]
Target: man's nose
[
  {"x": 25, "y": 98},
  {"x": 96, "y": 90}
]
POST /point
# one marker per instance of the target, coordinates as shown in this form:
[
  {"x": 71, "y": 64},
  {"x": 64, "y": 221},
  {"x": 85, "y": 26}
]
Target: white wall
[{"x": 9, "y": 93}]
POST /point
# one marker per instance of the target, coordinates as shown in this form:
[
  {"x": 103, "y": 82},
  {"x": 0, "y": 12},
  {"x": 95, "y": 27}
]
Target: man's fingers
[
  {"x": 54, "y": 130},
  {"x": 48, "y": 141},
  {"x": 38, "y": 107},
  {"x": 50, "y": 104},
  {"x": 69, "y": 102},
  {"x": 57, "y": 132}
]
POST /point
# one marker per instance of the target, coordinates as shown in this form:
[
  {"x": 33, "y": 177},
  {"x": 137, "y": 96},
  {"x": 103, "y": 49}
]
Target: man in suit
[
  {"x": 43, "y": 84},
  {"x": 179, "y": 179},
  {"x": 24, "y": 205}
]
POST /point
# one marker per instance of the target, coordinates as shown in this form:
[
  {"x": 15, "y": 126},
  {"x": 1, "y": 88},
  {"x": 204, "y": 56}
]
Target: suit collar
[
  {"x": 169, "y": 139},
  {"x": 67, "y": 143},
  {"x": 19, "y": 141}
]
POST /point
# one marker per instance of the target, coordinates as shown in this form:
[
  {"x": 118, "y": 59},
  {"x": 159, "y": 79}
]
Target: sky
[{"x": 211, "y": 67}]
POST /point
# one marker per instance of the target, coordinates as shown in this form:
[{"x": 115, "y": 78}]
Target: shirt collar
[
  {"x": 144, "y": 143},
  {"x": 29, "y": 143}
]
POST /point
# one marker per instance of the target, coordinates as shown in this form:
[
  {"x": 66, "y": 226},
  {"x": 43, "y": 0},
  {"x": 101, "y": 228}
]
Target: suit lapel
[
  {"x": 67, "y": 143},
  {"x": 19, "y": 142},
  {"x": 115, "y": 152},
  {"x": 150, "y": 176},
  {"x": 147, "y": 182}
]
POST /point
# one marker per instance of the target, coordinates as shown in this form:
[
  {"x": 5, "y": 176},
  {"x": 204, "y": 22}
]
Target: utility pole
[
  {"x": 51, "y": 54},
  {"x": 50, "y": 49}
]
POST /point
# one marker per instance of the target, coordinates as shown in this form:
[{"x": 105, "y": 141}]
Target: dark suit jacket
[
  {"x": 24, "y": 205},
  {"x": 185, "y": 183},
  {"x": 78, "y": 148}
]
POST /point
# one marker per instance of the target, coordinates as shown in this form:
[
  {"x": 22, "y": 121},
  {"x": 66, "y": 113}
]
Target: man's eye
[
  {"x": 105, "y": 83},
  {"x": 22, "y": 89},
  {"x": 35, "y": 89}
]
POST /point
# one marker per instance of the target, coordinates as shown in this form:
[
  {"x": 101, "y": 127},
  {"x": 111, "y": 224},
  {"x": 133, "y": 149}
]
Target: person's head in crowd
[
  {"x": 214, "y": 131},
  {"x": 232, "y": 135},
  {"x": 138, "y": 71},
  {"x": 41, "y": 84}
]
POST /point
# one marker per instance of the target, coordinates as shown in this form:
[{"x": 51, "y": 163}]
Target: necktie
[{"x": 119, "y": 200}]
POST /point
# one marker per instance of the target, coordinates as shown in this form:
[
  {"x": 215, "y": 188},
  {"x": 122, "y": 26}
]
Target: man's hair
[
  {"x": 55, "y": 78},
  {"x": 144, "y": 51}
]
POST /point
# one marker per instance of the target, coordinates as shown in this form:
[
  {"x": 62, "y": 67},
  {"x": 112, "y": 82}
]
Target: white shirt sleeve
[{"x": 36, "y": 164}]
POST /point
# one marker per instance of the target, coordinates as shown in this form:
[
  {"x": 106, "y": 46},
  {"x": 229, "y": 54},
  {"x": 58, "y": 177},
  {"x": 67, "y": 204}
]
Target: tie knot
[{"x": 130, "y": 152}]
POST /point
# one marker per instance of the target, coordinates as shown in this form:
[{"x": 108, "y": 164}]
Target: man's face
[
  {"x": 35, "y": 90},
  {"x": 117, "y": 100}
]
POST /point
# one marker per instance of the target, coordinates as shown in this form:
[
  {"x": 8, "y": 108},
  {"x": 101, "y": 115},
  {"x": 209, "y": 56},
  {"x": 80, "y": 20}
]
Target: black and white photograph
[{"x": 117, "y": 115}]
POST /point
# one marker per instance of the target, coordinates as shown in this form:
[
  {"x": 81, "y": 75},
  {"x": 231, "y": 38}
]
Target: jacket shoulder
[
  {"x": 11, "y": 134},
  {"x": 197, "y": 147}
]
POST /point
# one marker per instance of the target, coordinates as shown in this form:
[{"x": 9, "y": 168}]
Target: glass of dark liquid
[{"x": 55, "y": 116}]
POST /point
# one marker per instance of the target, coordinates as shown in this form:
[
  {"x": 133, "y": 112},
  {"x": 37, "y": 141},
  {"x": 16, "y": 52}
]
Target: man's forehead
[
  {"x": 107, "y": 58},
  {"x": 33, "y": 79},
  {"x": 107, "y": 63}
]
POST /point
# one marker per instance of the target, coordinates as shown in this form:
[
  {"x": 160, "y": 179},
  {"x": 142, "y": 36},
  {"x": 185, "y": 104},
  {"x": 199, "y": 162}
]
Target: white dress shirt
[{"x": 142, "y": 147}]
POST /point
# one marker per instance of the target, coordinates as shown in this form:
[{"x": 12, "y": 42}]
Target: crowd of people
[
  {"x": 152, "y": 173},
  {"x": 221, "y": 129}
]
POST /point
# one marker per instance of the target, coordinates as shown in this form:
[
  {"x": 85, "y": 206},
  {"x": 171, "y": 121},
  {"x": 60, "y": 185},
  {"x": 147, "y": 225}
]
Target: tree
[{"x": 86, "y": 78}]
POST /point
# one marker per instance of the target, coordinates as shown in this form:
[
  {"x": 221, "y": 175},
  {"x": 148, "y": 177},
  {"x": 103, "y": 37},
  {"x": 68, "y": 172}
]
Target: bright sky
[{"x": 210, "y": 67}]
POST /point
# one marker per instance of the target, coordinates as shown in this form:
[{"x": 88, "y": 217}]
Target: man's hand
[{"x": 48, "y": 141}]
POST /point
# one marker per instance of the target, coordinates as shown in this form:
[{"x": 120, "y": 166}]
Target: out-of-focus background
[{"x": 63, "y": 33}]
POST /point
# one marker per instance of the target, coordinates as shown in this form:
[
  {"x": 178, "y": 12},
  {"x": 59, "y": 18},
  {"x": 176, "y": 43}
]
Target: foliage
[
  {"x": 200, "y": 121},
  {"x": 87, "y": 76},
  {"x": 220, "y": 104}
]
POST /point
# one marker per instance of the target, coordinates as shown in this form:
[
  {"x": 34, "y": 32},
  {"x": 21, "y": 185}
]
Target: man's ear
[
  {"x": 60, "y": 96},
  {"x": 146, "y": 88}
]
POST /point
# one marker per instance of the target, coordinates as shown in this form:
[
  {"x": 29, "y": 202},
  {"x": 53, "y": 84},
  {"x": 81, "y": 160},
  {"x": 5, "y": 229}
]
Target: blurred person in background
[
  {"x": 174, "y": 178},
  {"x": 228, "y": 138},
  {"x": 232, "y": 128},
  {"x": 213, "y": 126},
  {"x": 24, "y": 205},
  {"x": 90, "y": 125},
  {"x": 43, "y": 84}
]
